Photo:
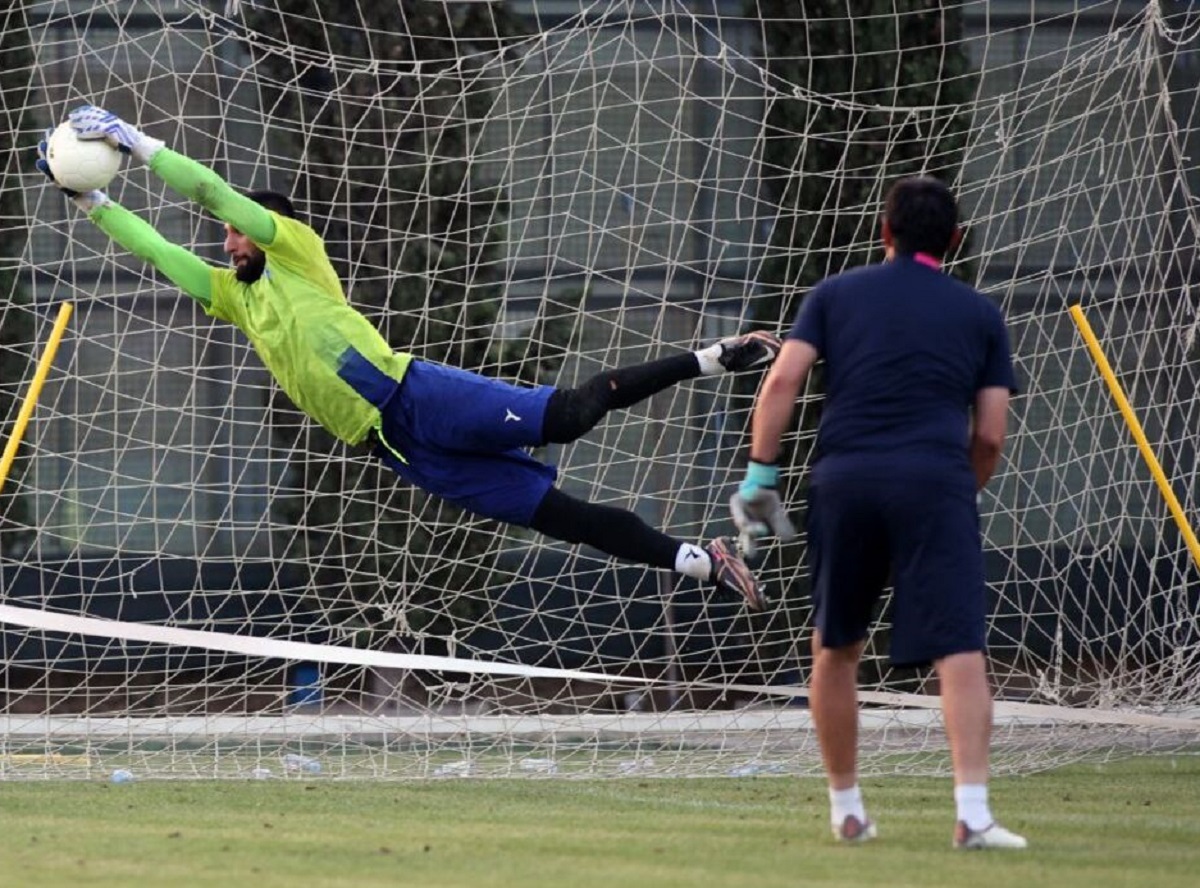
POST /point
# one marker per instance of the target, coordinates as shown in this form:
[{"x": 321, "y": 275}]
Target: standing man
[
  {"x": 455, "y": 434},
  {"x": 919, "y": 376}
]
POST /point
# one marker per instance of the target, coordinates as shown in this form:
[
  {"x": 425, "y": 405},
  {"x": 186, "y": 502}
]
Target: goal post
[
  {"x": 29, "y": 402},
  {"x": 1136, "y": 431},
  {"x": 197, "y": 581}
]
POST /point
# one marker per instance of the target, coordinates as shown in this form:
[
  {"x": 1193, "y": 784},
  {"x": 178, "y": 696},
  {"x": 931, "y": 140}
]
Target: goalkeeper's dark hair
[
  {"x": 922, "y": 214},
  {"x": 273, "y": 200}
]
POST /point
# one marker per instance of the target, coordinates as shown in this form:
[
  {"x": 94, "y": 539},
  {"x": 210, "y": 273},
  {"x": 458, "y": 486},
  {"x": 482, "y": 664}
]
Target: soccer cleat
[
  {"x": 748, "y": 351},
  {"x": 994, "y": 836},
  {"x": 854, "y": 831},
  {"x": 731, "y": 573}
]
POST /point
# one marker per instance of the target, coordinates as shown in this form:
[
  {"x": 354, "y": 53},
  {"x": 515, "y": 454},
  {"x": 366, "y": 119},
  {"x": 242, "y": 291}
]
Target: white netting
[{"x": 539, "y": 190}]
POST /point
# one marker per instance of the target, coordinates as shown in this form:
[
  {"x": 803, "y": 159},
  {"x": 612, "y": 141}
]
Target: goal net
[{"x": 197, "y": 580}]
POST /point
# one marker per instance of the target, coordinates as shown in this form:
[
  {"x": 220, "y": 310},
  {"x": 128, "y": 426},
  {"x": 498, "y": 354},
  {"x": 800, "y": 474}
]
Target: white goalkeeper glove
[
  {"x": 90, "y": 122},
  {"x": 85, "y": 200},
  {"x": 757, "y": 510}
]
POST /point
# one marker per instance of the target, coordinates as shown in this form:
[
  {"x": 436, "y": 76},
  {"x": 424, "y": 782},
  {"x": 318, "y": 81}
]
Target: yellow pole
[
  {"x": 35, "y": 389},
  {"x": 1135, "y": 428}
]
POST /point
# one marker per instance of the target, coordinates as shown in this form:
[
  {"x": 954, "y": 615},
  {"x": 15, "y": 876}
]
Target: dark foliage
[
  {"x": 16, "y": 318},
  {"x": 390, "y": 97}
]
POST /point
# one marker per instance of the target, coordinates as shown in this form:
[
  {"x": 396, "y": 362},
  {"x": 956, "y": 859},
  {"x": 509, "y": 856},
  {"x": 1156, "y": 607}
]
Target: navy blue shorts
[
  {"x": 461, "y": 436},
  {"x": 920, "y": 531}
]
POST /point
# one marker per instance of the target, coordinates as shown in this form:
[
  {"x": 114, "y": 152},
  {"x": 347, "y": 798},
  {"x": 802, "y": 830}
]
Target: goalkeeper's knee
[{"x": 572, "y": 413}]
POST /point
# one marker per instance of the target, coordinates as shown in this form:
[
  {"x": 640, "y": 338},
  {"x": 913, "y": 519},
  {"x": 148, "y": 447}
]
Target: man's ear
[
  {"x": 889, "y": 242},
  {"x": 955, "y": 238}
]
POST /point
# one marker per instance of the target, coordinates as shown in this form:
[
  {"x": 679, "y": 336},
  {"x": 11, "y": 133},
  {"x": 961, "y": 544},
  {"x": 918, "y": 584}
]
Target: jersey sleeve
[
  {"x": 809, "y": 325},
  {"x": 197, "y": 182},
  {"x": 997, "y": 370},
  {"x": 224, "y": 305},
  {"x": 295, "y": 244},
  {"x": 184, "y": 269},
  {"x": 284, "y": 240}
]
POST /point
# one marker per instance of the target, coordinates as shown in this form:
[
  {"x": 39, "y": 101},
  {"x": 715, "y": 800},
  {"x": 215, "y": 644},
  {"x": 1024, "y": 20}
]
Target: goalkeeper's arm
[
  {"x": 185, "y": 269},
  {"x": 756, "y": 507},
  {"x": 197, "y": 182},
  {"x": 777, "y": 401},
  {"x": 191, "y": 179}
]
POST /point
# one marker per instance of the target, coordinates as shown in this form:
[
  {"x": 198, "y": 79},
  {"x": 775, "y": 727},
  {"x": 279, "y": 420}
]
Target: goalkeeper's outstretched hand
[
  {"x": 757, "y": 510},
  {"x": 85, "y": 200},
  {"x": 43, "y": 165},
  {"x": 90, "y": 122}
]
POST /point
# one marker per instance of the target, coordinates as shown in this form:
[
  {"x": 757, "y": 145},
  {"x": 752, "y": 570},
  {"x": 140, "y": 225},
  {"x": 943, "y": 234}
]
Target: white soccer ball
[{"x": 80, "y": 164}]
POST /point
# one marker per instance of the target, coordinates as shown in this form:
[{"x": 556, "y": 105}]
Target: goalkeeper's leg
[
  {"x": 571, "y": 413},
  {"x": 624, "y": 535}
]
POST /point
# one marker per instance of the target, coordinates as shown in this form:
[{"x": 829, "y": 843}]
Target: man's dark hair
[
  {"x": 922, "y": 214},
  {"x": 273, "y": 200}
]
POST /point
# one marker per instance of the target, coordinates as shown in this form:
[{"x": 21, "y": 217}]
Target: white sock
[
  {"x": 693, "y": 561},
  {"x": 971, "y": 800},
  {"x": 710, "y": 360},
  {"x": 844, "y": 803}
]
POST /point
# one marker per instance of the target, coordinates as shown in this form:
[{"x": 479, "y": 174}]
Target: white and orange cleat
[{"x": 853, "y": 831}]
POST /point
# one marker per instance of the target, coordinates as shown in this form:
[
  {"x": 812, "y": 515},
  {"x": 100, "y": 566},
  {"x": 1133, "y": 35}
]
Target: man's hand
[
  {"x": 86, "y": 200},
  {"x": 90, "y": 122},
  {"x": 43, "y": 164},
  {"x": 757, "y": 510}
]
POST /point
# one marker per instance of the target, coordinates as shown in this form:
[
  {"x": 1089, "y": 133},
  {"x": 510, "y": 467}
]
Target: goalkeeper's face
[{"x": 248, "y": 260}]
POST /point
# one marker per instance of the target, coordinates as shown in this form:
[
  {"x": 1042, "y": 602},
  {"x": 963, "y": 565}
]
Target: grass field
[{"x": 1131, "y": 823}]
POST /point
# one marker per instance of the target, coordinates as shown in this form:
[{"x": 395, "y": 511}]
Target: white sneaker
[
  {"x": 994, "y": 836},
  {"x": 853, "y": 831}
]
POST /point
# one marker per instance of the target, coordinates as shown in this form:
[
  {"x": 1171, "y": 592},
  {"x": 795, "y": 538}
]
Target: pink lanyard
[{"x": 927, "y": 260}]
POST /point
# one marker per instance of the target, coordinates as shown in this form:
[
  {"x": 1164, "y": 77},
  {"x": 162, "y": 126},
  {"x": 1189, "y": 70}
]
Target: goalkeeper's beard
[{"x": 252, "y": 269}]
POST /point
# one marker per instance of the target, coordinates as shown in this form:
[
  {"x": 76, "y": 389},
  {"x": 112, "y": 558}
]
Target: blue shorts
[
  {"x": 461, "y": 436},
  {"x": 920, "y": 530}
]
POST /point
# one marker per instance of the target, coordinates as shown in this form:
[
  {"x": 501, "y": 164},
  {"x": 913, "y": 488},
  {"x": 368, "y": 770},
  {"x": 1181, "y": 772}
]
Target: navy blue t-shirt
[{"x": 906, "y": 349}]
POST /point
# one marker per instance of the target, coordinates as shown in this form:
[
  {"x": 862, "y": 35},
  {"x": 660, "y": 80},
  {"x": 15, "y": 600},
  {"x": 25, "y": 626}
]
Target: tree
[
  {"x": 419, "y": 238},
  {"x": 885, "y": 94},
  {"x": 16, "y": 319},
  {"x": 881, "y": 92}
]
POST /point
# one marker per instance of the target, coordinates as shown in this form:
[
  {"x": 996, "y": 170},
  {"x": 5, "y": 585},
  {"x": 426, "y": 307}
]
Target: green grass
[{"x": 1132, "y": 823}]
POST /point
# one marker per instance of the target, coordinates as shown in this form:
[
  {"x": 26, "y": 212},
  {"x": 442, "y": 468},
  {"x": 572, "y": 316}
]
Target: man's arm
[
  {"x": 197, "y": 182},
  {"x": 777, "y": 401},
  {"x": 187, "y": 271},
  {"x": 191, "y": 179},
  {"x": 988, "y": 428},
  {"x": 756, "y": 508}
]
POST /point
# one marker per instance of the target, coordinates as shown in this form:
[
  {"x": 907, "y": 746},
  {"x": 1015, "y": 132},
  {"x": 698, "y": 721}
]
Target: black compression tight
[
  {"x": 571, "y": 413},
  {"x": 613, "y": 531}
]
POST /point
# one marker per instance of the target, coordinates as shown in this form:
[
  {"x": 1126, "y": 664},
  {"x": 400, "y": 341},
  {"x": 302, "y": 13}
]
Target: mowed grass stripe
[{"x": 1129, "y": 823}]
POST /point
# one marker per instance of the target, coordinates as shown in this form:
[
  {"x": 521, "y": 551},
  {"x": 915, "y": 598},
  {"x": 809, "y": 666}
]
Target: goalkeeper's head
[
  {"x": 920, "y": 216},
  {"x": 249, "y": 261}
]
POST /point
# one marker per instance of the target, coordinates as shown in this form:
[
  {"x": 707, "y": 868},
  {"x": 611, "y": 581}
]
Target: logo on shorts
[{"x": 509, "y": 416}]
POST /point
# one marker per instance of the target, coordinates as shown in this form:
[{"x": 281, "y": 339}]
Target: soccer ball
[{"x": 80, "y": 164}]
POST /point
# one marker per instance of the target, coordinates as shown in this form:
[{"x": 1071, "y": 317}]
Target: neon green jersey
[
  {"x": 296, "y": 314},
  {"x": 303, "y": 329}
]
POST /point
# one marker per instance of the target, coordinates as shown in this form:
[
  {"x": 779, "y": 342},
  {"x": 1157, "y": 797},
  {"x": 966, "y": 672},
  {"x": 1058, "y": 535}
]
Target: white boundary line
[{"x": 296, "y": 650}]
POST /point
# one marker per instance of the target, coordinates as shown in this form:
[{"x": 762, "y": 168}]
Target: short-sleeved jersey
[
  {"x": 305, "y": 331},
  {"x": 906, "y": 348}
]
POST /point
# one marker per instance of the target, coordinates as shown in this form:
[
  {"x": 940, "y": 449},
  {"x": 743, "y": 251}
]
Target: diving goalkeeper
[{"x": 455, "y": 434}]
